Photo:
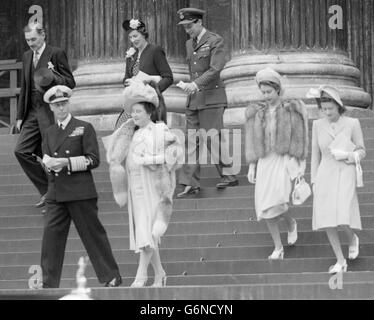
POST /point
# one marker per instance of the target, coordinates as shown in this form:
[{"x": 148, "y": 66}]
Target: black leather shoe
[
  {"x": 116, "y": 282},
  {"x": 226, "y": 183},
  {"x": 41, "y": 202},
  {"x": 188, "y": 190}
]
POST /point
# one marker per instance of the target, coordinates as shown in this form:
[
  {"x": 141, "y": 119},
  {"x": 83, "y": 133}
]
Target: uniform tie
[
  {"x": 36, "y": 58},
  {"x": 194, "y": 42},
  {"x": 61, "y": 127}
]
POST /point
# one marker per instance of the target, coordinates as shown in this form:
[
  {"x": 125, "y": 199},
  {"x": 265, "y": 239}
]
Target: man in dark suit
[
  {"x": 34, "y": 115},
  {"x": 206, "y": 102},
  {"x": 71, "y": 151}
]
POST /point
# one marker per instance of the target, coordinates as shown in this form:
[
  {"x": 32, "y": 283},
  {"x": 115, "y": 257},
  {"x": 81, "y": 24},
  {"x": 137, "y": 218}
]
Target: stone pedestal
[{"x": 294, "y": 38}]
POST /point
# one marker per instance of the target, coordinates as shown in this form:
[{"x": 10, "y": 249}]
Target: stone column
[
  {"x": 101, "y": 44},
  {"x": 293, "y": 37}
]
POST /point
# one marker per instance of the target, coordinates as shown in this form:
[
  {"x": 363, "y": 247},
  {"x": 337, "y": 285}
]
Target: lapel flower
[
  {"x": 134, "y": 24},
  {"x": 50, "y": 65},
  {"x": 130, "y": 52}
]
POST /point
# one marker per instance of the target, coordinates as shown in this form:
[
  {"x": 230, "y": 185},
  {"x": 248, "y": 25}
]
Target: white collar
[
  {"x": 65, "y": 122},
  {"x": 201, "y": 35},
  {"x": 41, "y": 50}
]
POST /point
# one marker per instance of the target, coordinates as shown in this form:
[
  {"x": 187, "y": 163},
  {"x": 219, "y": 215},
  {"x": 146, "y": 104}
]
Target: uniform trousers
[{"x": 84, "y": 214}]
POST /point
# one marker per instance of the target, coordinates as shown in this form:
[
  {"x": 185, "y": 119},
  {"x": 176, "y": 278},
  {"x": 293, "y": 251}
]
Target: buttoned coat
[
  {"x": 205, "y": 62},
  {"x": 335, "y": 197},
  {"x": 77, "y": 139}
]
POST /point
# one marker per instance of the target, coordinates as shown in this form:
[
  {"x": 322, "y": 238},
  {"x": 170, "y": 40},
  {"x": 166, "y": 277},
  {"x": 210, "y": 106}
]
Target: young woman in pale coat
[
  {"x": 334, "y": 175},
  {"x": 277, "y": 144},
  {"x": 152, "y": 154}
]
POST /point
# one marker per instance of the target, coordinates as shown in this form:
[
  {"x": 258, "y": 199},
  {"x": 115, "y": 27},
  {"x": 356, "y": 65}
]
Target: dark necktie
[
  {"x": 61, "y": 127},
  {"x": 194, "y": 42}
]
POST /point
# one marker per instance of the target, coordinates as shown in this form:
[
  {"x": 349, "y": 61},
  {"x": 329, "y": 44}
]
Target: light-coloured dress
[
  {"x": 274, "y": 179},
  {"x": 335, "y": 199}
]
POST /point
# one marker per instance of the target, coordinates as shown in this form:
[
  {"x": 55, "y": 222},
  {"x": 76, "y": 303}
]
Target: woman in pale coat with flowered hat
[
  {"x": 276, "y": 149},
  {"x": 333, "y": 173},
  {"x": 151, "y": 153}
]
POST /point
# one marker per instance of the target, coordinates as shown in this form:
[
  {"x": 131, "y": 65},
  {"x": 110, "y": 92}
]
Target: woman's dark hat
[{"x": 133, "y": 24}]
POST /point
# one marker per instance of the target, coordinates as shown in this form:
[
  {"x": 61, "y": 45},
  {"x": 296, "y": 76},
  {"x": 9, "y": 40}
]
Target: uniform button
[
  {"x": 67, "y": 152},
  {"x": 56, "y": 174},
  {"x": 55, "y": 154},
  {"x": 194, "y": 63},
  {"x": 216, "y": 86},
  {"x": 194, "y": 53},
  {"x": 69, "y": 173}
]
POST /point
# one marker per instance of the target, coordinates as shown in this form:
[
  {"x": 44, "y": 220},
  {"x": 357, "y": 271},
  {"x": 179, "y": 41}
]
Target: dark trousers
[
  {"x": 84, "y": 214},
  {"x": 216, "y": 144},
  {"x": 30, "y": 142}
]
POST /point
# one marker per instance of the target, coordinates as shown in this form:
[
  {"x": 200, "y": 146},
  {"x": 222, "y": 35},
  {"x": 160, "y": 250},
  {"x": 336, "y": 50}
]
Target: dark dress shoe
[
  {"x": 227, "y": 183},
  {"x": 188, "y": 190},
  {"x": 41, "y": 202},
  {"x": 116, "y": 282}
]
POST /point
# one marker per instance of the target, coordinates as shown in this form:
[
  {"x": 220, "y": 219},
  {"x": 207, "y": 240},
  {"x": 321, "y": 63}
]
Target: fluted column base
[
  {"x": 301, "y": 70},
  {"x": 98, "y": 97}
]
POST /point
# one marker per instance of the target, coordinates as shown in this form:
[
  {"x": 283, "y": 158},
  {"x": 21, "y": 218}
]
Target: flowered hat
[
  {"x": 136, "y": 92},
  {"x": 133, "y": 24}
]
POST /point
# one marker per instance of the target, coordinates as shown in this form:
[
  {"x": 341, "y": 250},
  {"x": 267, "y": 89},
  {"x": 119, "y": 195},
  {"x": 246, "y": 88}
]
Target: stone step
[
  {"x": 175, "y": 228},
  {"x": 194, "y": 254},
  {"x": 179, "y": 216},
  {"x": 213, "y": 280},
  {"x": 299, "y": 291},
  {"x": 252, "y": 266},
  {"x": 253, "y": 239},
  {"x": 12, "y": 203}
]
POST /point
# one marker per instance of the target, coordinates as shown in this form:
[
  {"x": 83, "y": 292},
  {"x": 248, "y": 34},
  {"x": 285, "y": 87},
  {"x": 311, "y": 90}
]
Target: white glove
[
  {"x": 251, "y": 173},
  {"x": 339, "y": 155}
]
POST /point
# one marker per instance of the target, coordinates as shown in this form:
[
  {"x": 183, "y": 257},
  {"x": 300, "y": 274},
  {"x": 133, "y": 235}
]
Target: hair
[
  {"x": 274, "y": 85},
  {"x": 142, "y": 30},
  {"x": 341, "y": 109},
  {"x": 36, "y": 26},
  {"x": 157, "y": 114}
]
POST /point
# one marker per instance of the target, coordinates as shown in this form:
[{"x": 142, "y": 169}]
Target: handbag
[
  {"x": 301, "y": 191},
  {"x": 359, "y": 177}
]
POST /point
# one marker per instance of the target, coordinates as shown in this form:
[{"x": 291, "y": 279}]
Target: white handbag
[{"x": 301, "y": 191}]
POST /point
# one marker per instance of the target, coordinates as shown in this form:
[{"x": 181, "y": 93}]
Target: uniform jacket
[
  {"x": 78, "y": 139},
  {"x": 153, "y": 62},
  {"x": 205, "y": 63},
  {"x": 60, "y": 62},
  {"x": 290, "y": 131}
]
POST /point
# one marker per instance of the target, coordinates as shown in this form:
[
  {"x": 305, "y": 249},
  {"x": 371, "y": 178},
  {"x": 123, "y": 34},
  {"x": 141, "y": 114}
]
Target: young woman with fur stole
[
  {"x": 146, "y": 183},
  {"x": 276, "y": 149}
]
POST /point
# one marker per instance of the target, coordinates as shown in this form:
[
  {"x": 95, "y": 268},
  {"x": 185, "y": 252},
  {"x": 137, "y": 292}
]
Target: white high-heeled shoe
[
  {"x": 354, "y": 248},
  {"x": 337, "y": 268},
  {"x": 160, "y": 281},
  {"x": 277, "y": 254},
  {"x": 292, "y": 236},
  {"x": 139, "y": 282}
]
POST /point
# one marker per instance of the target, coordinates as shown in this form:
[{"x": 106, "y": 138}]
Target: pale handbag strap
[{"x": 358, "y": 169}]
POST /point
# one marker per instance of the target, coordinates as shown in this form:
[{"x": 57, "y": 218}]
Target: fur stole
[{"x": 289, "y": 133}]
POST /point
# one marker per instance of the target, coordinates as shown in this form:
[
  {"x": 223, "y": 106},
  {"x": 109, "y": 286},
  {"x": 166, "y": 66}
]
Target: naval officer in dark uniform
[
  {"x": 71, "y": 151},
  {"x": 206, "y": 101}
]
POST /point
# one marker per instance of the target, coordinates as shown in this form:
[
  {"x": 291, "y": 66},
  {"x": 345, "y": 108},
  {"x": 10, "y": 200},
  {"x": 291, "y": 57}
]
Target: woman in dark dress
[{"x": 146, "y": 57}]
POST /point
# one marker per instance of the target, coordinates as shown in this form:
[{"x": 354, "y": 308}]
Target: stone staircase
[{"x": 214, "y": 247}]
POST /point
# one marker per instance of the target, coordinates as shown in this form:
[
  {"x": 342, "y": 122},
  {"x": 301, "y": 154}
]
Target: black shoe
[
  {"x": 41, "y": 202},
  {"x": 226, "y": 183},
  {"x": 116, "y": 282},
  {"x": 188, "y": 190}
]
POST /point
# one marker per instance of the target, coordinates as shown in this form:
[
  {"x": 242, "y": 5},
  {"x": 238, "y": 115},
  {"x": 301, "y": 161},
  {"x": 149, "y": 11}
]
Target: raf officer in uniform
[
  {"x": 206, "y": 101},
  {"x": 33, "y": 115},
  {"x": 71, "y": 151}
]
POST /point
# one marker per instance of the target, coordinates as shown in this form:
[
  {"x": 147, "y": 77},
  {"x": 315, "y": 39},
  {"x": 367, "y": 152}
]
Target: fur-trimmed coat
[{"x": 289, "y": 132}]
